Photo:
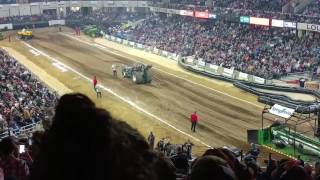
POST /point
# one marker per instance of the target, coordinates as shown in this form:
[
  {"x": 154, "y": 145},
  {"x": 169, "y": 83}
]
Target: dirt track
[{"x": 223, "y": 120}]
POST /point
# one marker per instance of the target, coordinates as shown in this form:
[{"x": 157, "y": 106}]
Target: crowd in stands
[
  {"x": 86, "y": 142},
  {"x": 23, "y": 99},
  {"x": 264, "y": 8},
  {"x": 26, "y": 19},
  {"x": 263, "y": 52},
  {"x": 313, "y": 9}
]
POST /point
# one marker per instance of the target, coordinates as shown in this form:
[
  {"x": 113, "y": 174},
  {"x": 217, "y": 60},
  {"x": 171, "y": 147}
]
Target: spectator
[
  {"x": 211, "y": 167},
  {"x": 151, "y": 139},
  {"x": 12, "y": 166},
  {"x": 85, "y": 142}
]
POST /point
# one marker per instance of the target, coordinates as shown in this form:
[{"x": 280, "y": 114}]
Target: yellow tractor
[{"x": 25, "y": 34}]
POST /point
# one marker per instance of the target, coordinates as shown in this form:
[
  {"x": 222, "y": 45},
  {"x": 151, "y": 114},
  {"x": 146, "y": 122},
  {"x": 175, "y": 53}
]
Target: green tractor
[
  {"x": 139, "y": 73},
  {"x": 92, "y": 31}
]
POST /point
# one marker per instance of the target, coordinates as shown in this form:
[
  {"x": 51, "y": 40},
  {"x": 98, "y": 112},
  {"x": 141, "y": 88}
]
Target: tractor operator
[{"x": 114, "y": 70}]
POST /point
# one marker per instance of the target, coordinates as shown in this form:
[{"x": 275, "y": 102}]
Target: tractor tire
[
  {"x": 137, "y": 77},
  {"x": 148, "y": 76}
]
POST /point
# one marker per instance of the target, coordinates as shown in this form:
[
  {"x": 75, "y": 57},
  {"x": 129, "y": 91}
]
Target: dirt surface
[{"x": 225, "y": 112}]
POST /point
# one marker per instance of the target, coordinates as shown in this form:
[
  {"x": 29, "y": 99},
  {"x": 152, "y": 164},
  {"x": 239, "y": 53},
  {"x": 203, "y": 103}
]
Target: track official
[
  {"x": 95, "y": 82},
  {"x": 114, "y": 70},
  {"x": 194, "y": 120}
]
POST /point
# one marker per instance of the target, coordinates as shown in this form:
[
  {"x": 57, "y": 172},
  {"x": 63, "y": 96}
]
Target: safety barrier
[
  {"x": 19, "y": 131},
  {"x": 146, "y": 48},
  {"x": 251, "y": 86}
]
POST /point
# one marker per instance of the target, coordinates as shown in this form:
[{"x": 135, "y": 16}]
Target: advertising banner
[
  {"x": 113, "y": 38},
  {"x": 140, "y": 46},
  {"x": 155, "y": 50},
  {"x": 309, "y": 27},
  {"x": 119, "y": 40},
  {"x": 214, "y": 67},
  {"x": 131, "y": 43},
  {"x": 289, "y": 24},
  {"x": 173, "y": 11},
  {"x": 277, "y": 23},
  {"x": 258, "y": 80},
  {"x": 190, "y": 60},
  {"x": 212, "y": 16},
  {"x": 201, "y": 63},
  {"x": 186, "y": 13},
  {"x": 243, "y": 76},
  {"x": 165, "y": 53},
  {"x": 6, "y": 26},
  {"x": 125, "y": 42},
  {"x": 57, "y": 22},
  {"x": 260, "y": 21},
  {"x": 227, "y": 72},
  {"x": 201, "y": 14},
  {"x": 281, "y": 111},
  {"x": 244, "y": 19}
]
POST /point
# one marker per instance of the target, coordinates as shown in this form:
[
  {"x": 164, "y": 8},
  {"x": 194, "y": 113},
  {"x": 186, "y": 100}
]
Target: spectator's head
[
  {"x": 295, "y": 173},
  {"x": 85, "y": 142},
  {"x": 211, "y": 167},
  {"x": 8, "y": 147}
]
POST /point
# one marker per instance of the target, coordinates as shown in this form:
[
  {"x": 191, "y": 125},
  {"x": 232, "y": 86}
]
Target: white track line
[
  {"x": 117, "y": 95},
  {"x": 226, "y": 94}
]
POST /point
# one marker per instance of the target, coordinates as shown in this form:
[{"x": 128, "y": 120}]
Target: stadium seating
[{"x": 24, "y": 100}]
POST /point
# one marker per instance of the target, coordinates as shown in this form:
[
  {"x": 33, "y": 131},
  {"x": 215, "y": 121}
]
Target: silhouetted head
[{"x": 85, "y": 142}]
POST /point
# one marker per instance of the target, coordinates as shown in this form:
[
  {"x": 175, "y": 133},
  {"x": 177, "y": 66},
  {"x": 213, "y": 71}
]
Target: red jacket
[
  {"x": 194, "y": 118},
  {"x": 95, "y": 82}
]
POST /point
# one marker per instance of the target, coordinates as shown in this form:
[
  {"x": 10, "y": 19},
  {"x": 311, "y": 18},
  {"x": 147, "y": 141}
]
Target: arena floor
[{"x": 163, "y": 106}]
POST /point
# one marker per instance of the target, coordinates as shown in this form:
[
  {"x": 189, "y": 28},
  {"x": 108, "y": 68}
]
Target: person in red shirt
[
  {"x": 194, "y": 119},
  {"x": 95, "y": 82}
]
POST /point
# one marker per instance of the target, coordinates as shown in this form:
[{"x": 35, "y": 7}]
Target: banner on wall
[
  {"x": 201, "y": 63},
  {"x": 244, "y": 19},
  {"x": 308, "y": 27},
  {"x": 277, "y": 23},
  {"x": 243, "y": 76},
  {"x": 258, "y": 80},
  {"x": 186, "y": 13},
  {"x": 6, "y": 26},
  {"x": 214, "y": 67},
  {"x": 289, "y": 24},
  {"x": 227, "y": 72},
  {"x": 56, "y": 22},
  {"x": 212, "y": 16},
  {"x": 260, "y": 21},
  {"x": 201, "y": 14},
  {"x": 281, "y": 111}
]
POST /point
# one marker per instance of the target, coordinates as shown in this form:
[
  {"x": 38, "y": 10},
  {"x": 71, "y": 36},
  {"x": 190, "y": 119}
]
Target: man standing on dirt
[
  {"x": 194, "y": 121},
  {"x": 151, "y": 139},
  {"x": 114, "y": 70},
  {"x": 95, "y": 82}
]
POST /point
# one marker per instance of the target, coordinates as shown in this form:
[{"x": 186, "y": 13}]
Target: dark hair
[
  {"x": 211, "y": 167},
  {"x": 85, "y": 142},
  {"x": 7, "y": 146}
]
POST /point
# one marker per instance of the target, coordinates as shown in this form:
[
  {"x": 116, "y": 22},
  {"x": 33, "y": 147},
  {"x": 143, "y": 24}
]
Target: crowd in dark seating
[
  {"x": 264, "y": 52},
  {"x": 23, "y": 99},
  {"x": 26, "y": 19},
  {"x": 86, "y": 142},
  {"x": 313, "y": 9},
  {"x": 239, "y": 8}
]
